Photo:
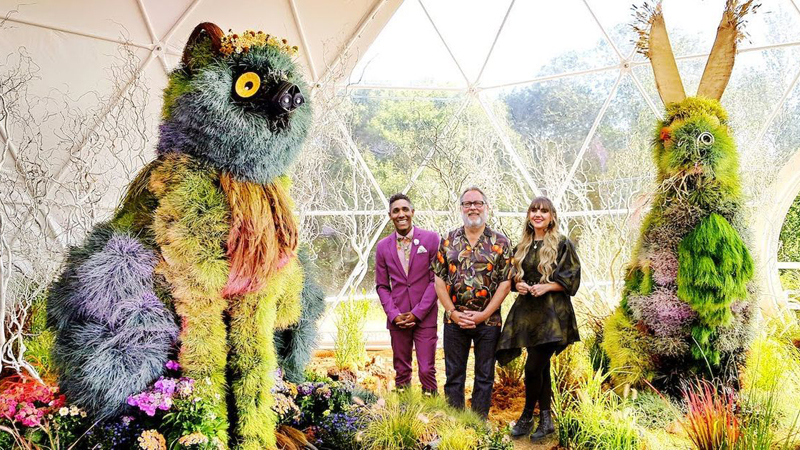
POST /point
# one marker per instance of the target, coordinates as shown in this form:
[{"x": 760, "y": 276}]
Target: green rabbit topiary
[{"x": 687, "y": 306}]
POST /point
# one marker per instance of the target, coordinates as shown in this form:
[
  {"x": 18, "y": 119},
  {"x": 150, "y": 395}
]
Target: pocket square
[{"x": 421, "y": 249}]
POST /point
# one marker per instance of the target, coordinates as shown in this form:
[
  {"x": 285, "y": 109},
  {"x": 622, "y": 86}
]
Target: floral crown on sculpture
[{"x": 242, "y": 43}]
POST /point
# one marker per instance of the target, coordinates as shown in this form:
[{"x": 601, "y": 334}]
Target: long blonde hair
[{"x": 549, "y": 250}]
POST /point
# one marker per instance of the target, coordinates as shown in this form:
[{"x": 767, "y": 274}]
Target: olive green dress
[{"x": 549, "y": 319}]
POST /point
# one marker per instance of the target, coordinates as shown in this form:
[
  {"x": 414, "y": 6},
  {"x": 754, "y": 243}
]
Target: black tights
[{"x": 537, "y": 377}]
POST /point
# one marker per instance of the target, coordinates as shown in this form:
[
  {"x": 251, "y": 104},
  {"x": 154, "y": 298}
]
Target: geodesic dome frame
[{"x": 546, "y": 98}]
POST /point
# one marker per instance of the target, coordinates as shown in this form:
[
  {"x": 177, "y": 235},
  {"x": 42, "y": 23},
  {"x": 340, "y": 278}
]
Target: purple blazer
[{"x": 400, "y": 293}]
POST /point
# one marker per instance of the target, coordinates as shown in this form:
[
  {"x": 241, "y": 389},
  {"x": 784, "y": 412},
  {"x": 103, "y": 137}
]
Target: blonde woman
[{"x": 545, "y": 271}]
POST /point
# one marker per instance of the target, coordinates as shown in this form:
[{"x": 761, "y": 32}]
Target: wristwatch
[{"x": 448, "y": 313}]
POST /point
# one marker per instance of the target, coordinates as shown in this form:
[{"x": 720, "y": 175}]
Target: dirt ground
[{"x": 378, "y": 375}]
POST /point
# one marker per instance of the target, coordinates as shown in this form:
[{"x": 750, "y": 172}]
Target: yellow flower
[
  {"x": 194, "y": 438},
  {"x": 152, "y": 440}
]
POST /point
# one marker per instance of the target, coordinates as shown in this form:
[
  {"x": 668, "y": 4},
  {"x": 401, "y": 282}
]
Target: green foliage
[
  {"x": 188, "y": 416},
  {"x": 790, "y": 281},
  {"x": 350, "y": 350},
  {"x": 6, "y": 439},
  {"x": 453, "y": 436},
  {"x": 770, "y": 394},
  {"x": 790, "y": 234},
  {"x": 591, "y": 417},
  {"x": 759, "y": 419},
  {"x": 598, "y": 359},
  {"x": 511, "y": 373},
  {"x": 178, "y": 85},
  {"x": 626, "y": 349},
  {"x": 789, "y": 249},
  {"x": 39, "y": 340},
  {"x": 638, "y": 280},
  {"x": 654, "y": 411},
  {"x": 572, "y": 367},
  {"x": 714, "y": 267},
  {"x": 410, "y": 420}
]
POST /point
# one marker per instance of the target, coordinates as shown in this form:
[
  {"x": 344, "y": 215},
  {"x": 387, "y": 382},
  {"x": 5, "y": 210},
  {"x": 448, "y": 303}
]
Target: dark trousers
[
  {"x": 457, "y": 342},
  {"x": 538, "y": 385}
]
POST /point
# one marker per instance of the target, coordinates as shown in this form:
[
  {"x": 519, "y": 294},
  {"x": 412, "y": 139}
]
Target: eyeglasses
[
  {"x": 536, "y": 208},
  {"x": 478, "y": 204}
]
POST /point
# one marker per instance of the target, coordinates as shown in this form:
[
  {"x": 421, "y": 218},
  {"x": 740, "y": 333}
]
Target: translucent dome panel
[
  {"x": 548, "y": 38},
  {"x": 408, "y": 52}
]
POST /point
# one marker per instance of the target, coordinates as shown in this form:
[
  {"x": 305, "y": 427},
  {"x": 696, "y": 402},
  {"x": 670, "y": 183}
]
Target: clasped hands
[
  {"x": 405, "y": 320},
  {"x": 468, "y": 319},
  {"x": 536, "y": 290}
]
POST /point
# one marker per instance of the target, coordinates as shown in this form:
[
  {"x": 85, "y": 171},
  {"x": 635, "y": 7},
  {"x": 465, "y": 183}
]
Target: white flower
[
  {"x": 416, "y": 241},
  {"x": 63, "y": 411},
  {"x": 73, "y": 410}
]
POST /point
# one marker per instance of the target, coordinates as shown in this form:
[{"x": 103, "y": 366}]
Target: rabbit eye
[{"x": 705, "y": 139}]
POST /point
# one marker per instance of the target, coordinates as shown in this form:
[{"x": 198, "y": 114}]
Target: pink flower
[
  {"x": 28, "y": 415},
  {"x": 8, "y": 407},
  {"x": 173, "y": 365}
]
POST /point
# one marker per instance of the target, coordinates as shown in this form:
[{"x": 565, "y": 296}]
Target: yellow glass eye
[{"x": 247, "y": 84}]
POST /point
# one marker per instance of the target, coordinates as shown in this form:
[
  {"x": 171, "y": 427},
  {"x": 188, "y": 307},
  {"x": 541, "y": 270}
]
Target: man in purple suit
[{"x": 405, "y": 285}]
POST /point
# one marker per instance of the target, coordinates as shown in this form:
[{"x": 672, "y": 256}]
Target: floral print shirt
[{"x": 472, "y": 274}]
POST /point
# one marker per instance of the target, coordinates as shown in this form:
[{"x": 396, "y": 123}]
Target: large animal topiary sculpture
[
  {"x": 687, "y": 305},
  {"x": 199, "y": 261}
]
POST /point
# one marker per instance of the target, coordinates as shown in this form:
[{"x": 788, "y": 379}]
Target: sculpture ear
[
  {"x": 720, "y": 62},
  {"x": 654, "y": 43},
  {"x": 203, "y": 46}
]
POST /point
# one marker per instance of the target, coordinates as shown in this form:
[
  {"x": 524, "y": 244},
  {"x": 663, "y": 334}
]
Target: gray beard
[{"x": 469, "y": 223}]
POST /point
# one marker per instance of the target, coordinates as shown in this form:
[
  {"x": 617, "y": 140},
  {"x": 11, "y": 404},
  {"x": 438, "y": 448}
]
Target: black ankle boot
[
  {"x": 524, "y": 424},
  {"x": 545, "y": 427}
]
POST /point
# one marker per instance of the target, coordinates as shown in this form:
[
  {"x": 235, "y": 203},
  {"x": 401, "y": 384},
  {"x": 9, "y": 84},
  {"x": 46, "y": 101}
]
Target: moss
[
  {"x": 626, "y": 349},
  {"x": 714, "y": 267},
  {"x": 252, "y": 365},
  {"x": 177, "y": 86},
  {"x": 289, "y": 304},
  {"x": 190, "y": 226}
]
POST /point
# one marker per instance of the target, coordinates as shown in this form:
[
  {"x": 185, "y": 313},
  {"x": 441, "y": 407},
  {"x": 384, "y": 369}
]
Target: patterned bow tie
[{"x": 403, "y": 239}]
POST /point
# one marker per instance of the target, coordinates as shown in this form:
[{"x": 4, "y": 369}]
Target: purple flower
[
  {"x": 173, "y": 365},
  {"x": 165, "y": 386},
  {"x": 305, "y": 388},
  {"x": 149, "y": 401}
]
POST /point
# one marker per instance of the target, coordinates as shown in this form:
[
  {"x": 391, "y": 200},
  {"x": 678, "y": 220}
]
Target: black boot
[
  {"x": 524, "y": 424},
  {"x": 545, "y": 427}
]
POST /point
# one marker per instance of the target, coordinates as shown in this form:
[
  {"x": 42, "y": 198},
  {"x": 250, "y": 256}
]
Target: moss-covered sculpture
[
  {"x": 200, "y": 259},
  {"x": 687, "y": 309}
]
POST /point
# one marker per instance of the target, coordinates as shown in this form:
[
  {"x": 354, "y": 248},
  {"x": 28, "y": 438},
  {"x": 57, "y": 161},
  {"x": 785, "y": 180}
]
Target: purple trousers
[{"x": 403, "y": 342}]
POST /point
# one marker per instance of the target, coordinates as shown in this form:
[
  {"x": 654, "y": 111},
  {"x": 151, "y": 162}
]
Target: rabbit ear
[
  {"x": 203, "y": 44},
  {"x": 654, "y": 43},
  {"x": 720, "y": 61}
]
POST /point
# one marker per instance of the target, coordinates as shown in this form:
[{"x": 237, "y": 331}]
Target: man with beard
[
  {"x": 404, "y": 282},
  {"x": 471, "y": 270}
]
